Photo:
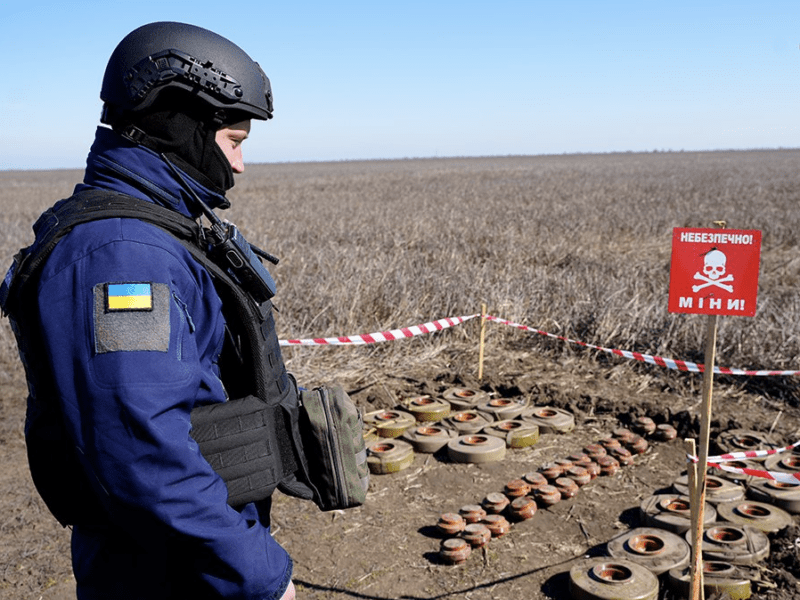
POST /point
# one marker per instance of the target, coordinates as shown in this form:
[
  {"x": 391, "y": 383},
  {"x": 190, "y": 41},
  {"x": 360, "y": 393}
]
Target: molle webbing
[{"x": 239, "y": 440}]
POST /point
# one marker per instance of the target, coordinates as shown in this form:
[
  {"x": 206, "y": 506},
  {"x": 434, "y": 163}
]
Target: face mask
[{"x": 189, "y": 140}]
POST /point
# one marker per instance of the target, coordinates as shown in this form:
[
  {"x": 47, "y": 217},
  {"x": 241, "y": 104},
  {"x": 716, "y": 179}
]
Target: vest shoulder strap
[{"x": 92, "y": 205}]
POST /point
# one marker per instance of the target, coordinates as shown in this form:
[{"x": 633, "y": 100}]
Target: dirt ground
[{"x": 388, "y": 548}]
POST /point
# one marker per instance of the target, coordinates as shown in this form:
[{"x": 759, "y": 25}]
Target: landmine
[
  {"x": 429, "y": 425},
  {"x": 718, "y": 490},
  {"x": 389, "y": 456},
  {"x": 516, "y": 501},
  {"x": 389, "y": 423},
  {"x": 666, "y": 513},
  {"x": 737, "y": 545},
  {"x": 468, "y": 421},
  {"x": 464, "y": 398},
  {"x": 759, "y": 515},
  {"x": 782, "y": 495},
  {"x": 743, "y": 440},
  {"x": 739, "y": 478},
  {"x": 425, "y": 408},
  {"x": 788, "y": 463},
  {"x": 549, "y": 419},
  {"x": 502, "y": 409},
  {"x": 429, "y": 439},
  {"x": 671, "y": 512},
  {"x": 718, "y": 578},
  {"x": 474, "y": 448},
  {"x": 515, "y": 433},
  {"x": 657, "y": 549},
  {"x": 604, "y": 578}
]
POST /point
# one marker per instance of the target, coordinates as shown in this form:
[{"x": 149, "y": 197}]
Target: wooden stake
[
  {"x": 699, "y": 489},
  {"x": 705, "y": 431},
  {"x": 483, "y": 334},
  {"x": 696, "y": 566}
]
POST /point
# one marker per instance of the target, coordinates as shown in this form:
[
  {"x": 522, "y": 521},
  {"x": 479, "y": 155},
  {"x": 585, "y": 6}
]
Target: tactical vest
[{"x": 249, "y": 441}]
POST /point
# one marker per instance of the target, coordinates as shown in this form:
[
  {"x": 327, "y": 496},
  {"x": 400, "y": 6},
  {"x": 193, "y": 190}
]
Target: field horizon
[
  {"x": 454, "y": 157},
  {"x": 574, "y": 245}
]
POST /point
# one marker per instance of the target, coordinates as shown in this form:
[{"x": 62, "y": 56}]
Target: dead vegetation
[{"x": 578, "y": 246}]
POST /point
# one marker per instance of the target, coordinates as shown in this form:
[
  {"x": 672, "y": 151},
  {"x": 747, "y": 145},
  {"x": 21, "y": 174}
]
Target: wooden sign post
[{"x": 713, "y": 272}]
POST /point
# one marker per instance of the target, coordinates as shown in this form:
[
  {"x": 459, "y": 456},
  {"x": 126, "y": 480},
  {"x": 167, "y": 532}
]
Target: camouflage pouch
[{"x": 331, "y": 429}]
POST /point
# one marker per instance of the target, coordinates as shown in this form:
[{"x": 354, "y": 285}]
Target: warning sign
[{"x": 714, "y": 271}]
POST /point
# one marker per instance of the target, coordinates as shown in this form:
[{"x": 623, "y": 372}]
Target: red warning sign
[{"x": 714, "y": 271}]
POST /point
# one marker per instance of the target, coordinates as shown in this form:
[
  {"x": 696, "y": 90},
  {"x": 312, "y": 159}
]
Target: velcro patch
[{"x": 131, "y": 316}]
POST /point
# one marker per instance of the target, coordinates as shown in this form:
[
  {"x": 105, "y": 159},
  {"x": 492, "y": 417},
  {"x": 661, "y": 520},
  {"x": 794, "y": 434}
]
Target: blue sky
[{"x": 364, "y": 80}]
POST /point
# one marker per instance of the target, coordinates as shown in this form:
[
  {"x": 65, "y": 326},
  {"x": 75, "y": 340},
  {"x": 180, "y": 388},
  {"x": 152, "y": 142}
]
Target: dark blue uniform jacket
[{"x": 134, "y": 330}]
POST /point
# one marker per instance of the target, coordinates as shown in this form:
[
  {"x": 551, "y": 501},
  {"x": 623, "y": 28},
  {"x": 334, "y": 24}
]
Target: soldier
[{"x": 127, "y": 330}]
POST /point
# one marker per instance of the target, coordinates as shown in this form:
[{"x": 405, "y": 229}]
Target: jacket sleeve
[{"x": 134, "y": 329}]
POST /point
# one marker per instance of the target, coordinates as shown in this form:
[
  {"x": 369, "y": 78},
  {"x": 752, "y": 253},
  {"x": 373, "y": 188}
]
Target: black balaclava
[{"x": 184, "y": 129}]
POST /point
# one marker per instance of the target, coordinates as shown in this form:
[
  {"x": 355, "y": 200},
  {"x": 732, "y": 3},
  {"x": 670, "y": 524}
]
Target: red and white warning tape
[
  {"x": 752, "y": 453},
  {"x": 718, "y": 462},
  {"x": 407, "y": 332},
  {"x": 714, "y": 461},
  {"x": 779, "y": 476},
  {"x": 680, "y": 365},
  {"x": 384, "y": 336}
]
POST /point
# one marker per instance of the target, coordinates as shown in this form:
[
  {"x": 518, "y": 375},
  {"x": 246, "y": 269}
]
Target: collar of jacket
[{"x": 114, "y": 163}]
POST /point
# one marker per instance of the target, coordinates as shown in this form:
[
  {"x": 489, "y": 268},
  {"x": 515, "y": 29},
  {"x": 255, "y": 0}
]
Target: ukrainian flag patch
[{"x": 129, "y": 296}]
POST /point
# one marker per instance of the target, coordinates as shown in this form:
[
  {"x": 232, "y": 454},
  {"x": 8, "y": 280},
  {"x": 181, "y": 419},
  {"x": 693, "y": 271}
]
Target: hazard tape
[
  {"x": 752, "y": 453},
  {"x": 384, "y": 336},
  {"x": 669, "y": 363},
  {"x": 717, "y": 462},
  {"x": 407, "y": 332},
  {"x": 790, "y": 478}
]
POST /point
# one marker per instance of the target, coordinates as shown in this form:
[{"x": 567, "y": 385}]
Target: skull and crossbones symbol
[{"x": 714, "y": 269}]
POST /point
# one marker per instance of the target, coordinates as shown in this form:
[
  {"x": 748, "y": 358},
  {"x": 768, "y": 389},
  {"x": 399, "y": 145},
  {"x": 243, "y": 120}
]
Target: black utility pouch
[
  {"x": 238, "y": 439},
  {"x": 332, "y": 434}
]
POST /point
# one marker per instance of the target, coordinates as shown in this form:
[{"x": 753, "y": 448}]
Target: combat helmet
[
  {"x": 167, "y": 55},
  {"x": 169, "y": 86}
]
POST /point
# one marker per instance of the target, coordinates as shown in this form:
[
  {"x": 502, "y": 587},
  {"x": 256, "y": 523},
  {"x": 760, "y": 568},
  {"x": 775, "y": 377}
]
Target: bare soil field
[{"x": 372, "y": 247}]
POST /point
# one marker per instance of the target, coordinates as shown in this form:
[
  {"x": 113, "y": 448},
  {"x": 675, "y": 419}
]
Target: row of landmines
[{"x": 739, "y": 513}]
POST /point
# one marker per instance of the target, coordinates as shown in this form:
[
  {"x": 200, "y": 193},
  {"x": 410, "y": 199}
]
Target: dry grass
[{"x": 574, "y": 245}]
